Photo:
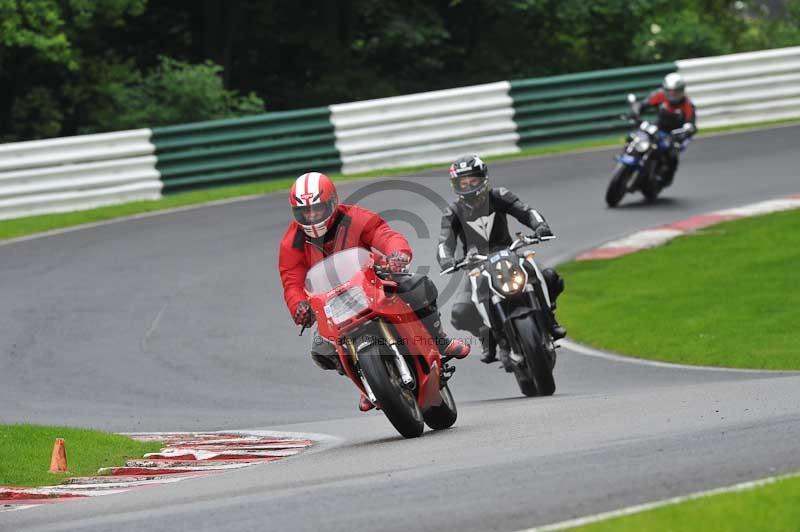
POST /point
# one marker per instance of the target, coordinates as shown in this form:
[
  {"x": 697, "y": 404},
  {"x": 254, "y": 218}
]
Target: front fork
[
  {"x": 399, "y": 360},
  {"x": 354, "y": 355}
]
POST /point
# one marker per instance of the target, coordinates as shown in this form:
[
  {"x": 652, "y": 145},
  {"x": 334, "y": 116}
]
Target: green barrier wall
[
  {"x": 580, "y": 106},
  {"x": 280, "y": 144}
]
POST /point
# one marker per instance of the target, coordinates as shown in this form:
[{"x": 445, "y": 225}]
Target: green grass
[
  {"x": 25, "y": 453},
  {"x": 37, "y": 224},
  {"x": 725, "y": 296},
  {"x": 768, "y": 508}
]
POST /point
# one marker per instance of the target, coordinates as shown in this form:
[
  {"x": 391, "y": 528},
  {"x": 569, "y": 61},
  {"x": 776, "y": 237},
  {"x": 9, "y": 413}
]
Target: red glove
[
  {"x": 398, "y": 261},
  {"x": 303, "y": 315}
]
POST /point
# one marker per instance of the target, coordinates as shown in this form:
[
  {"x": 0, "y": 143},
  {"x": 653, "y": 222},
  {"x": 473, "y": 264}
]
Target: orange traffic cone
[{"x": 58, "y": 460}]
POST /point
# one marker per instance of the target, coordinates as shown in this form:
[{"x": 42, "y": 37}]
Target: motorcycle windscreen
[{"x": 336, "y": 270}]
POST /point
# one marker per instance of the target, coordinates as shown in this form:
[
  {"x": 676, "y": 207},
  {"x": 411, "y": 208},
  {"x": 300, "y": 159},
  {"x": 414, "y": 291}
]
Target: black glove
[
  {"x": 542, "y": 230},
  {"x": 303, "y": 315},
  {"x": 446, "y": 264}
]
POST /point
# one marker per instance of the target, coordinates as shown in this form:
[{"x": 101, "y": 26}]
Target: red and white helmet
[{"x": 313, "y": 199}]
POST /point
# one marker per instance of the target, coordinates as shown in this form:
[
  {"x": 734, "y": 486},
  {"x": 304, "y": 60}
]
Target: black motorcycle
[
  {"x": 510, "y": 294},
  {"x": 645, "y": 160}
]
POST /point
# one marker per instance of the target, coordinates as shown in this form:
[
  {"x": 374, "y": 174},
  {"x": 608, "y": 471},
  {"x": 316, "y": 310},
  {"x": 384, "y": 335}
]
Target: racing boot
[
  {"x": 556, "y": 330},
  {"x": 364, "y": 404},
  {"x": 488, "y": 345},
  {"x": 448, "y": 347},
  {"x": 555, "y": 286}
]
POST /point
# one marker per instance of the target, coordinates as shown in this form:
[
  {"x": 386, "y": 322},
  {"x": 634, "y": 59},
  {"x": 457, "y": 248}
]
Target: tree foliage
[
  {"x": 172, "y": 93},
  {"x": 72, "y": 66}
]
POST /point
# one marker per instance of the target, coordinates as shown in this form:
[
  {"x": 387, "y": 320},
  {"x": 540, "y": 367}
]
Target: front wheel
[
  {"x": 397, "y": 402},
  {"x": 444, "y": 415},
  {"x": 618, "y": 185},
  {"x": 651, "y": 191},
  {"x": 526, "y": 385},
  {"x": 539, "y": 353}
]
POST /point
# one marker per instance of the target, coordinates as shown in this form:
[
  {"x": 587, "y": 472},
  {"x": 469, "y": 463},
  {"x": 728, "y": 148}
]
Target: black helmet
[{"x": 471, "y": 191}]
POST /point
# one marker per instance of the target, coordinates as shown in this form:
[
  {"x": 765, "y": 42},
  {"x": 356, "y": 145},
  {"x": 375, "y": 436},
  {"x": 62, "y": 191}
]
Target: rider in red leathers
[
  {"x": 321, "y": 227},
  {"x": 675, "y": 111}
]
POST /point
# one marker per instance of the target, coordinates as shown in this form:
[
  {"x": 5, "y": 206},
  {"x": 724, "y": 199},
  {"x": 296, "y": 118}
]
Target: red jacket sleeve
[
  {"x": 688, "y": 110},
  {"x": 657, "y": 98},
  {"x": 376, "y": 232},
  {"x": 292, "y": 267}
]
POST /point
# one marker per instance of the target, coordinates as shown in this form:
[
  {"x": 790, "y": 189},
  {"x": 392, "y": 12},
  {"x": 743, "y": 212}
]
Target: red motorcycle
[{"x": 383, "y": 347}]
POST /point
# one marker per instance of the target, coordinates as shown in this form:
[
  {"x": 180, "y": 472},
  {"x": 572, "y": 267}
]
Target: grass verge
[
  {"x": 25, "y": 453},
  {"x": 762, "y": 509},
  {"x": 37, "y": 224},
  {"x": 726, "y": 296}
]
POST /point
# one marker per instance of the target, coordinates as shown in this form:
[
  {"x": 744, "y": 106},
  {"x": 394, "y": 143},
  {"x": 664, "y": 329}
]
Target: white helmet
[{"x": 675, "y": 88}]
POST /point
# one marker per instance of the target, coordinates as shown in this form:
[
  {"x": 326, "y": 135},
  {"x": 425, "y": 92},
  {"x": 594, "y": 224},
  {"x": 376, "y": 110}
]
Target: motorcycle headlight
[
  {"x": 346, "y": 305},
  {"x": 642, "y": 145},
  {"x": 508, "y": 278}
]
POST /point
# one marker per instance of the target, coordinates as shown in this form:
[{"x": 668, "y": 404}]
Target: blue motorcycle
[{"x": 644, "y": 160}]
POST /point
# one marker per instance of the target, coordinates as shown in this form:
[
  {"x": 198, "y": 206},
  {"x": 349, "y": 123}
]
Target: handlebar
[
  {"x": 635, "y": 118},
  {"x": 473, "y": 258}
]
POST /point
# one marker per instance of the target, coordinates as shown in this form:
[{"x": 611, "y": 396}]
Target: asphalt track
[{"x": 176, "y": 322}]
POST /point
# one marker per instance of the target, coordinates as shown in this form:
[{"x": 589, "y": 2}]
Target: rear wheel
[
  {"x": 444, "y": 415},
  {"x": 540, "y": 355},
  {"x": 618, "y": 185},
  {"x": 397, "y": 401}
]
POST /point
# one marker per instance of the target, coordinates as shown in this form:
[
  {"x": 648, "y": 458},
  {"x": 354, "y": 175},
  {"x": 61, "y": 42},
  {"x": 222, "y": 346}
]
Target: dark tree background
[{"x": 78, "y": 66}]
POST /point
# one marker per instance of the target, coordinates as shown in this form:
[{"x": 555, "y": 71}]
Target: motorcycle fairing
[{"x": 392, "y": 309}]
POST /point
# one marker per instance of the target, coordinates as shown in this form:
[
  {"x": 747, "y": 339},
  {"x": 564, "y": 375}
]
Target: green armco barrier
[
  {"x": 217, "y": 152},
  {"x": 579, "y": 106}
]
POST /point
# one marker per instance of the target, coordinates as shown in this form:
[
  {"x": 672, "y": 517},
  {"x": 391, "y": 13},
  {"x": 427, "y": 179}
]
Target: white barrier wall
[
  {"x": 744, "y": 88},
  {"x": 82, "y": 172},
  {"x": 74, "y": 173},
  {"x": 430, "y": 127}
]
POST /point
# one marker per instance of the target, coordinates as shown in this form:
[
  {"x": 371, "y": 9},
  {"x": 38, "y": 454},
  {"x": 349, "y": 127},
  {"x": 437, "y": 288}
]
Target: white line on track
[
  {"x": 152, "y": 329},
  {"x": 606, "y": 355},
  {"x": 581, "y": 521}
]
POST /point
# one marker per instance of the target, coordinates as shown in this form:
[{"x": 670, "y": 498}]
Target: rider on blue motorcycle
[{"x": 675, "y": 111}]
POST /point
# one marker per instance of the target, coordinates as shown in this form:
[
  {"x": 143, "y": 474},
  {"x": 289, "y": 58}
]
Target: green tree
[
  {"x": 46, "y": 46},
  {"x": 174, "y": 92}
]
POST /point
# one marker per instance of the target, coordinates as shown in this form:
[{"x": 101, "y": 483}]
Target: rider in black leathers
[{"x": 478, "y": 219}]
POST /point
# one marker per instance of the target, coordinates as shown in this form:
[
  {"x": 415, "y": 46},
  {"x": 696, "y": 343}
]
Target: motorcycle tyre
[
  {"x": 539, "y": 358},
  {"x": 442, "y": 416},
  {"x": 618, "y": 185},
  {"x": 397, "y": 402}
]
